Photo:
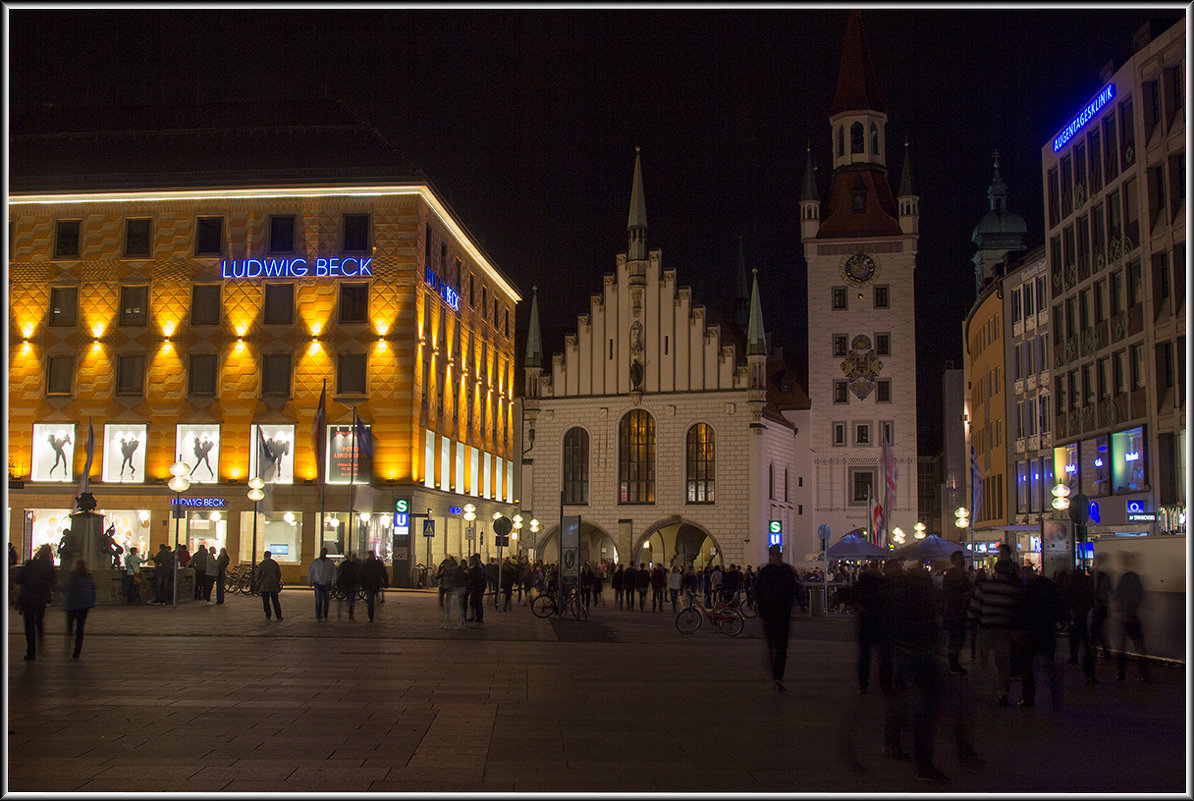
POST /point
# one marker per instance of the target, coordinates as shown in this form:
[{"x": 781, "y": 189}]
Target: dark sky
[{"x": 526, "y": 122}]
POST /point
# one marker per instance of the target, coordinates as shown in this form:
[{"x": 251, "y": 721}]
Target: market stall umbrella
[
  {"x": 854, "y": 546},
  {"x": 930, "y": 548}
]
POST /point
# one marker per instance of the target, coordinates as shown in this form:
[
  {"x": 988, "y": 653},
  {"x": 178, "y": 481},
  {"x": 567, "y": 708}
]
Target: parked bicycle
[
  {"x": 566, "y": 602},
  {"x": 744, "y": 605},
  {"x": 239, "y": 579},
  {"x": 421, "y": 580},
  {"x": 726, "y": 619}
]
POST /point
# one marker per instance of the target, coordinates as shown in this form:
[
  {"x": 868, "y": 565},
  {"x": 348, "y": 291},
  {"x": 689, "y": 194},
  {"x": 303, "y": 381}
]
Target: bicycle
[
  {"x": 239, "y": 580},
  {"x": 421, "y": 577},
  {"x": 549, "y": 604},
  {"x": 726, "y": 619},
  {"x": 745, "y": 606}
]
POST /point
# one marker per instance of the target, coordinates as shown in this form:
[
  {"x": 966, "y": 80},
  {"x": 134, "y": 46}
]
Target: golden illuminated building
[{"x": 184, "y": 287}]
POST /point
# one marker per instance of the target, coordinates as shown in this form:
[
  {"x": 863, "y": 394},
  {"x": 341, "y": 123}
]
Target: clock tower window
[{"x": 882, "y": 299}]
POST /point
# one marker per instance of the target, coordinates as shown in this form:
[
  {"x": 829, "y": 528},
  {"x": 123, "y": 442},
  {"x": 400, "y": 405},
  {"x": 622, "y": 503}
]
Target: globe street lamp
[
  {"x": 962, "y": 520},
  {"x": 256, "y": 493},
  {"x": 514, "y": 534},
  {"x": 1061, "y": 497},
  {"x": 178, "y": 484},
  {"x": 470, "y": 515},
  {"x": 919, "y": 528},
  {"x": 535, "y": 526},
  {"x": 897, "y": 535}
]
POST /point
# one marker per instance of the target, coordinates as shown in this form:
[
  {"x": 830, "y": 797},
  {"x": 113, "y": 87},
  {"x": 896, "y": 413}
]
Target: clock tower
[{"x": 860, "y": 247}]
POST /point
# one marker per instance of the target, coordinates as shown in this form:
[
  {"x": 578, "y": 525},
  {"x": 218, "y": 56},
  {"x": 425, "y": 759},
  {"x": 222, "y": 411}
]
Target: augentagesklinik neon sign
[
  {"x": 331, "y": 267},
  {"x": 450, "y": 295},
  {"x": 1086, "y": 115}
]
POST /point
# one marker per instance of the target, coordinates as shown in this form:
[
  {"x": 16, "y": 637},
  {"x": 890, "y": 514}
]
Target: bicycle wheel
[
  {"x": 543, "y": 606},
  {"x": 688, "y": 620},
  {"x": 748, "y": 610},
  {"x": 729, "y": 622}
]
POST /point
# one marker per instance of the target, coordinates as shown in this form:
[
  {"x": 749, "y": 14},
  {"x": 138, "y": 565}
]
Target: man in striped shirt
[{"x": 993, "y": 607}]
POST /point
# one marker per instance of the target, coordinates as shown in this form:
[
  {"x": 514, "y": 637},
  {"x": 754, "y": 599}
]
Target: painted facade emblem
[{"x": 861, "y": 366}]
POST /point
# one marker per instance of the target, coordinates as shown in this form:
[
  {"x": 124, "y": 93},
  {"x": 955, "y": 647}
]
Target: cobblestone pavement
[{"x": 215, "y": 698}]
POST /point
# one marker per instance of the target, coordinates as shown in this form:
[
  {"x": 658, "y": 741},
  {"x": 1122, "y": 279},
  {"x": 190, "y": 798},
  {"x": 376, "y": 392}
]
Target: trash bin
[{"x": 816, "y": 600}]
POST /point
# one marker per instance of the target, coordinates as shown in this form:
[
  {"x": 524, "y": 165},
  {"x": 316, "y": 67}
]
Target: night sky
[{"x": 526, "y": 122}]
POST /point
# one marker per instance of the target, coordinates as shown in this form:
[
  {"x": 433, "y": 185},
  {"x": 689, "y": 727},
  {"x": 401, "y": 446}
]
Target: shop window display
[
  {"x": 124, "y": 453},
  {"x": 199, "y": 447},
  {"x": 278, "y": 466},
  {"x": 53, "y": 452},
  {"x": 280, "y": 533}
]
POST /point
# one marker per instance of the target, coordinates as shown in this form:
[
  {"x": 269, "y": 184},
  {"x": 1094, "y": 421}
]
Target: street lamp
[
  {"x": 897, "y": 535},
  {"x": 178, "y": 484},
  {"x": 535, "y": 526},
  {"x": 256, "y": 493},
  {"x": 514, "y": 534},
  {"x": 1061, "y": 497},
  {"x": 470, "y": 514},
  {"x": 919, "y": 528}
]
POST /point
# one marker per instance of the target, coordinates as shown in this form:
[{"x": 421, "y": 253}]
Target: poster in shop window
[
  {"x": 199, "y": 447},
  {"x": 124, "y": 453},
  {"x": 345, "y": 459},
  {"x": 278, "y": 467},
  {"x": 53, "y": 452}
]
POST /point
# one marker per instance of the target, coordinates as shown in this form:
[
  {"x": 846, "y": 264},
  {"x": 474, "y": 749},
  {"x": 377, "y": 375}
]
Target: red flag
[
  {"x": 319, "y": 439},
  {"x": 889, "y": 490}
]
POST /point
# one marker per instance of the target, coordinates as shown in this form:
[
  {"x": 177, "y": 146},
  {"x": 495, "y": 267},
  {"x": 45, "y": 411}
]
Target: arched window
[
  {"x": 858, "y": 196},
  {"x": 636, "y": 458},
  {"x": 856, "y": 137},
  {"x": 874, "y": 139},
  {"x": 576, "y": 466},
  {"x": 841, "y": 141},
  {"x": 700, "y": 465}
]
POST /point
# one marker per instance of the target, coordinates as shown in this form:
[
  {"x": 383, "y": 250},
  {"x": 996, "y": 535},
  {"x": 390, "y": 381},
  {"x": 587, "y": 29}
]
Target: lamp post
[
  {"x": 470, "y": 515},
  {"x": 919, "y": 528},
  {"x": 256, "y": 493},
  {"x": 897, "y": 535},
  {"x": 535, "y": 526},
  {"x": 178, "y": 484},
  {"x": 962, "y": 521},
  {"x": 514, "y": 534}
]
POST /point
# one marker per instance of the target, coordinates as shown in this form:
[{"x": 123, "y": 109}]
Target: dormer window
[{"x": 858, "y": 195}]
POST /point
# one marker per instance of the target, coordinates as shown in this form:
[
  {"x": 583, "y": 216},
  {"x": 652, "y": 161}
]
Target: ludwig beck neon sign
[{"x": 298, "y": 267}]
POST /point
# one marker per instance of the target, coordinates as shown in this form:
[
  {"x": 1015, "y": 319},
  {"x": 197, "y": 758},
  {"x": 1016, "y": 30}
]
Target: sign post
[
  {"x": 400, "y": 540},
  {"x": 501, "y": 538},
  {"x": 429, "y": 535}
]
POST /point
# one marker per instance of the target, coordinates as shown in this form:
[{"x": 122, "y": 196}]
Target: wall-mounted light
[
  {"x": 168, "y": 328},
  {"x": 382, "y": 328},
  {"x": 240, "y": 330},
  {"x": 314, "y": 348},
  {"x": 97, "y": 330},
  {"x": 27, "y": 330}
]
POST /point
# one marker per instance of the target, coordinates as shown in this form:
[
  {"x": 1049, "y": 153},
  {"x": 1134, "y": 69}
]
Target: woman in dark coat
[
  {"x": 80, "y": 598},
  {"x": 37, "y": 583}
]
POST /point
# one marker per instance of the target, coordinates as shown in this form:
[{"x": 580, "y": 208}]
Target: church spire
[
  {"x": 857, "y": 89},
  {"x": 756, "y": 337},
  {"x": 906, "y": 176},
  {"x": 534, "y": 356},
  {"x": 637, "y": 223},
  {"x": 809, "y": 192}
]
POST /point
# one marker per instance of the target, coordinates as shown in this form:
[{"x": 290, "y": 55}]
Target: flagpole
[
  {"x": 320, "y": 446},
  {"x": 352, "y": 482}
]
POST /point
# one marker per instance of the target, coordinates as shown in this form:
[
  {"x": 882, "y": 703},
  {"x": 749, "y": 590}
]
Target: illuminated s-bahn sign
[
  {"x": 1086, "y": 115},
  {"x": 323, "y": 267}
]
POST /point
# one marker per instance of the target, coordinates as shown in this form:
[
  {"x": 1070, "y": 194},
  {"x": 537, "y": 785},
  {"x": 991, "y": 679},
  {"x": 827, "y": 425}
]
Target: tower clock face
[{"x": 859, "y": 268}]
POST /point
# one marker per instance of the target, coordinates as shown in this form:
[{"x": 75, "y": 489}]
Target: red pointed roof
[{"x": 857, "y": 88}]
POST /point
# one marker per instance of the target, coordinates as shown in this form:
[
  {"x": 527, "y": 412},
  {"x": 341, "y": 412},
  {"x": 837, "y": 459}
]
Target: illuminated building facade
[
  {"x": 179, "y": 307},
  {"x": 1115, "y": 222}
]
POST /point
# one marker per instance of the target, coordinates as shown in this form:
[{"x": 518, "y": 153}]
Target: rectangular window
[
  {"x": 862, "y": 486},
  {"x": 1072, "y": 389},
  {"x": 1097, "y": 300},
  {"x": 1016, "y": 305},
  {"x": 887, "y": 431},
  {"x": 279, "y": 304},
  {"x": 839, "y": 297},
  {"x": 1067, "y": 188},
  {"x": 862, "y": 434},
  {"x": 1177, "y": 183},
  {"x": 839, "y": 391},
  {"x": 1042, "y": 298},
  {"x": 1083, "y": 309},
  {"x": 1071, "y": 317},
  {"x": 1135, "y": 283},
  {"x": 64, "y": 305},
  {"x": 209, "y": 236},
  {"x": 1088, "y": 385},
  {"x": 1131, "y": 215},
  {"x": 1173, "y": 93},
  {"x": 130, "y": 374},
  {"x": 137, "y": 236},
  {"x": 1098, "y": 236},
  {"x": 884, "y": 390},
  {"x": 1054, "y": 198},
  {"x": 205, "y": 304},
  {"x": 66, "y": 239},
  {"x": 1119, "y": 372},
  {"x": 1139, "y": 375},
  {"x": 356, "y": 232},
  {"x": 882, "y": 344},
  {"x": 281, "y": 233},
  {"x": 1127, "y": 136},
  {"x": 1115, "y": 230},
  {"x": 1110, "y": 147},
  {"x": 1164, "y": 365},
  {"x": 1101, "y": 379},
  {"x": 134, "y": 305},
  {"x": 1160, "y": 281},
  {"x": 1151, "y": 108},
  {"x": 1028, "y": 301},
  {"x": 201, "y": 377},
  {"x": 1115, "y": 293},
  {"x": 839, "y": 433},
  {"x": 882, "y": 297},
  {"x": 354, "y": 303},
  {"x": 840, "y": 344},
  {"x": 60, "y": 372},
  {"x": 350, "y": 374},
  {"x": 1096, "y": 161},
  {"x": 1043, "y": 417},
  {"x": 275, "y": 374},
  {"x": 1128, "y": 472}
]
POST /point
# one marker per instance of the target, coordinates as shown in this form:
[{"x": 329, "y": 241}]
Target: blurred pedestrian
[
  {"x": 80, "y": 598},
  {"x": 1041, "y": 612},
  {"x": 955, "y": 597},
  {"x": 642, "y": 583},
  {"x": 629, "y": 582},
  {"x": 1128, "y": 597},
  {"x": 222, "y": 562},
  {"x": 211, "y": 572},
  {"x": 1102, "y": 607},
  {"x": 374, "y": 579},
  {"x": 675, "y": 581},
  {"x": 163, "y": 574},
  {"x": 867, "y": 596},
  {"x": 132, "y": 576},
  {"x": 199, "y": 563},
  {"x": 509, "y": 573},
  {"x": 347, "y": 580},
  {"x": 476, "y": 589},
  {"x": 586, "y": 584},
  {"x": 269, "y": 584},
  {"x": 993, "y": 608},
  {"x": 37, "y": 577},
  {"x": 658, "y": 586},
  {"x": 776, "y": 592},
  {"x": 1078, "y": 593},
  {"x": 598, "y": 583},
  {"x": 321, "y": 574}
]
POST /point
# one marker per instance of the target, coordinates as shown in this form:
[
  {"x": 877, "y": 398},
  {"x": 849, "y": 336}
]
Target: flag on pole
[
  {"x": 889, "y": 490},
  {"x": 266, "y": 471},
  {"x": 364, "y": 439},
  {"x": 85, "y": 479},
  {"x": 319, "y": 439},
  {"x": 878, "y": 520},
  {"x": 976, "y": 487}
]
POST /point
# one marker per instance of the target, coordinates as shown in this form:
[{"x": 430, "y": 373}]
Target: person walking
[
  {"x": 994, "y": 607},
  {"x": 642, "y": 583},
  {"x": 222, "y": 562},
  {"x": 598, "y": 583},
  {"x": 476, "y": 589},
  {"x": 1102, "y": 608},
  {"x": 321, "y": 574},
  {"x": 132, "y": 576},
  {"x": 615, "y": 581},
  {"x": 348, "y": 580},
  {"x": 658, "y": 586},
  {"x": 675, "y": 580},
  {"x": 629, "y": 583},
  {"x": 374, "y": 579},
  {"x": 37, "y": 585},
  {"x": 269, "y": 584},
  {"x": 211, "y": 572},
  {"x": 1128, "y": 596},
  {"x": 199, "y": 563},
  {"x": 868, "y": 596},
  {"x": 1078, "y": 593},
  {"x": 955, "y": 598},
  {"x": 1041, "y": 613},
  {"x": 80, "y": 598},
  {"x": 163, "y": 572},
  {"x": 509, "y": 571},
  {"x": 776, "y": 591}
]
